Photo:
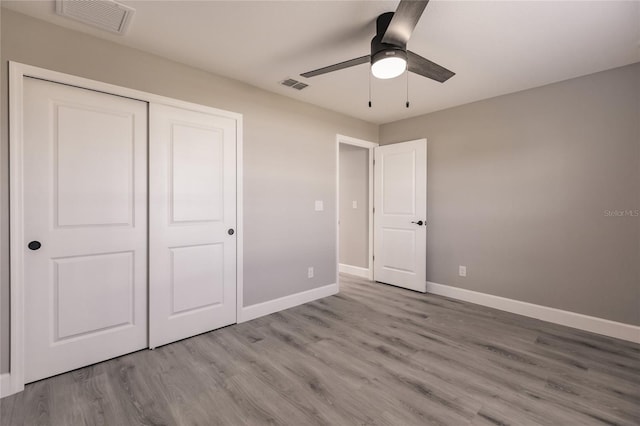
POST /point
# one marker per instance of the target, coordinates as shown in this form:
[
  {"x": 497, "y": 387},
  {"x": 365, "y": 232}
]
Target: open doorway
[{"x": 355, "y": 206}]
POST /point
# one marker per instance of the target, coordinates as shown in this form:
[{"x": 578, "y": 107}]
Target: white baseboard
[
  {"x": 265, "y": 308},
  {"x": 5, "y": 385},
  {"x": 358, "y": 271},
  {"x": 558, "y": 316}
]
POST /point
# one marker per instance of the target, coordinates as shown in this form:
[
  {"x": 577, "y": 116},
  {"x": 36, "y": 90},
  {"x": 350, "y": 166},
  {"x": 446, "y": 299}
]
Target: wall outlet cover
[
  {"x": 354, "y": 204},
  {"x": 462, "y": 271},
  {"x": 319, "y": 205},
  {"x": 310, "y": 272}
]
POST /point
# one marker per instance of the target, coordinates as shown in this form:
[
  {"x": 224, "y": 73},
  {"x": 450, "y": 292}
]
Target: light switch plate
[
  {"x": 319, "y": 205},
  {"x": 354, "y": 204}
]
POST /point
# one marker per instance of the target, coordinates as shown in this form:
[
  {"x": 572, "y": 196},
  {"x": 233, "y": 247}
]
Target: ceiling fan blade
[
  {"x": 404, "y": 21},
  {"x": 426, "y": 68},
  {"x": 336, "y": 67}
]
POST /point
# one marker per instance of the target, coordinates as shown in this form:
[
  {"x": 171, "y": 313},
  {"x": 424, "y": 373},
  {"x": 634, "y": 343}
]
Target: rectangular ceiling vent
[
  {"x": 104, "y": 14},
  {"x": 294, "y": 84}
]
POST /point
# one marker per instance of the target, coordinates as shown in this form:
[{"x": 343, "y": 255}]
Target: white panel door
[
  {"x": 85, "y": 223},
  {"x": 400, "y": 202},
  {"x": 192, "y": 220}
]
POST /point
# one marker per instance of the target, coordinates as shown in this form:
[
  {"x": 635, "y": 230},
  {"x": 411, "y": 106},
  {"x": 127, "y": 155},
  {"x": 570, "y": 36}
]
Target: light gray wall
[
  {"x": 289, "y": 154},
  {"x": 519, "y": 187},
  {"x": 354, "y": 223}
]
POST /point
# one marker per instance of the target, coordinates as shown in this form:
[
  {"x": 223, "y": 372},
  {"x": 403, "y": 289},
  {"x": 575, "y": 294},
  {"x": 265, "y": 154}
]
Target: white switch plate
[
  {"x": 354, "y": 204},
  {"x": 462, "y": 271},
  {"x": 319, "y": 205},
  {"x": 310, "y": 272}
]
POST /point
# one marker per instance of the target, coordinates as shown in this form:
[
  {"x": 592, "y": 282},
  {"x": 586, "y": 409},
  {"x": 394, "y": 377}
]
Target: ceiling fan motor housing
[{"x": 381, "y": 50}]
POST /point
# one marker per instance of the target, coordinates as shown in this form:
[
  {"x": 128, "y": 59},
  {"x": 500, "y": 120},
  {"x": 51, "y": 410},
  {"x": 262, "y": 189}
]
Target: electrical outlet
[
  {"x": 310, "y": 272},
  {"x": 354, "y": 204},
  {"x": 462, "y": 271},
  {"x": 319, "y": 205}
]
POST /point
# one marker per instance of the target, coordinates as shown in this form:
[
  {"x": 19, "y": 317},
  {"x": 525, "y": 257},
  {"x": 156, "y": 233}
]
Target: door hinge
[{"x": 374, "y": 258}]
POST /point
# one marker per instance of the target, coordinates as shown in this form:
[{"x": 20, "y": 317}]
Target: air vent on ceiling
[
  {"x": 294, "y": 84},
  {"x": 104, "y": 14}
]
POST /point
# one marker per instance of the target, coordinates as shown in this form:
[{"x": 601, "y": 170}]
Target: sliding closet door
[
  {"x": 85, "y": 227},
  {"x": 192, "y": 217}
]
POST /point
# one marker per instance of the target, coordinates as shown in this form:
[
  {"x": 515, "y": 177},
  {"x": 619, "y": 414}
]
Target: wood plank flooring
[{"x": 371, "y": 355}]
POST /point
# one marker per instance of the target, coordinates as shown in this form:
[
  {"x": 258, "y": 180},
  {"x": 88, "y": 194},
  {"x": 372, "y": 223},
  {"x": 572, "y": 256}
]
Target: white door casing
[
  {"x": 400, "y": 203},
  {"x": 85, "y": 201},
  {"x": 370, "y": 146},
  {"x": 192, "y": 245}
]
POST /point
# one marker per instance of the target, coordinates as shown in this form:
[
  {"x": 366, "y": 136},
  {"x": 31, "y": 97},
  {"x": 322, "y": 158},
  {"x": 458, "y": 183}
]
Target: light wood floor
[{"x": 373, "y": 354}]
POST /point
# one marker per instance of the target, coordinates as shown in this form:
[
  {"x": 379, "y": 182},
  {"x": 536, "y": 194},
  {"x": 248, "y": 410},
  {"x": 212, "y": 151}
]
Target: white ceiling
[{"x": 495, "y": 47}]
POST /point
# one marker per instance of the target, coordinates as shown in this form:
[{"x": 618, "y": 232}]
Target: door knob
[
  {"x": 231, "y": 231},
  {"x": 419, "y": 223},
  {"x": 34, "y": 245}
]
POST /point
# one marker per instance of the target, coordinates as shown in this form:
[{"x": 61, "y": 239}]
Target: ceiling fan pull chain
[
  {"x": 407, "y": 72},
  {"x": 369, "y": 89}
]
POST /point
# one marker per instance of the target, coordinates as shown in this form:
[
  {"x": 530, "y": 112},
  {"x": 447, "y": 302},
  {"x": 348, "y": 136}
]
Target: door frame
[
  {"x": 370, "y": 146},
  {"x": 17, "y": 73}
]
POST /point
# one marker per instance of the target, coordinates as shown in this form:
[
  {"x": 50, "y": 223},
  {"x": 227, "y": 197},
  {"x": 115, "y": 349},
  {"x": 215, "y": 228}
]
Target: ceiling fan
[{"x": 389, "y": 56}]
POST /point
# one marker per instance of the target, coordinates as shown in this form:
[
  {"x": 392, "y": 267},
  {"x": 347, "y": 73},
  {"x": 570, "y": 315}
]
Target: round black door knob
[
  {"x": 231, "y": 231},
  {"x": 419, "y": 223},
  {"x": 34, "y": 245}
]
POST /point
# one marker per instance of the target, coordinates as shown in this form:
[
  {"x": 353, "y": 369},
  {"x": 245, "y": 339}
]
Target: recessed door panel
[
  {"x": 85, "y": 203},
  {"x": 94, "y": 149},
  {"x": 193, "y": 197},
  {"x": 197, "y": 163},
  {"x": 396, "y": 243},
  {"x": 197, "y": 277},
  {"x": 92, "y": 294},
  {"x": 398, "y": 191}
]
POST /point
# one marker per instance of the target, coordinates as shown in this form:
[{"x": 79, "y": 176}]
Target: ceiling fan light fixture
[{"x": 389, "y": 64}]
